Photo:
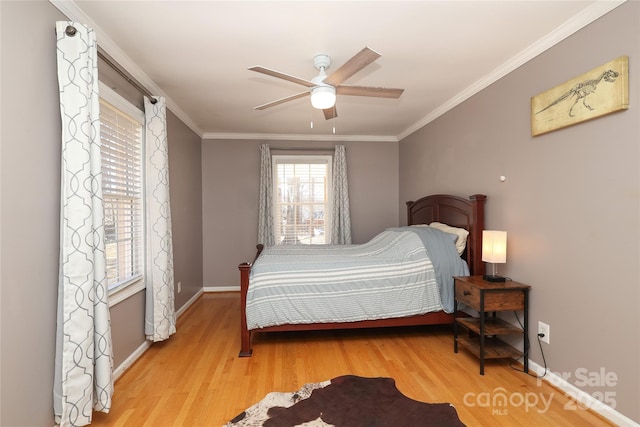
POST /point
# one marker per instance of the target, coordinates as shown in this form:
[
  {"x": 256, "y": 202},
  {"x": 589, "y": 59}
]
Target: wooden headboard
[{"x": 456, "y": 212}]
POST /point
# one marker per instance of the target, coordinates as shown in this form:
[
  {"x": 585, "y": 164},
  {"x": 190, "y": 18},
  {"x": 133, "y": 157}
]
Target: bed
[{"x": 458, "y": 212}]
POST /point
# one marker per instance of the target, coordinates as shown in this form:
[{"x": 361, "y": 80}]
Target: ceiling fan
[{"x": 323, "y": 89}]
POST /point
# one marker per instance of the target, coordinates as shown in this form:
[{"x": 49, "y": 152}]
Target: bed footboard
[{"x": 245, "y": 333}]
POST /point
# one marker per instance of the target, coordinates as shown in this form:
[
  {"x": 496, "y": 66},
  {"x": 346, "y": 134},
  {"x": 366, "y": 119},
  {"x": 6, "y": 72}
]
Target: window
[
  {"x": 122, "y": 187},
  {"x": 302, "y": 199}
]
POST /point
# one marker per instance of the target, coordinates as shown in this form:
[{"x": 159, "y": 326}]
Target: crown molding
[
  {"x": 298, "y": 137},
  {"x": 571, "y": 26}
]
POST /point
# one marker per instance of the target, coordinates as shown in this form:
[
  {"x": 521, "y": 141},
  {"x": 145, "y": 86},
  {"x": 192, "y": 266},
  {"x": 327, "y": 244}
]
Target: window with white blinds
[
  {"x": 122, "y": 186},
  {"x": 302, "y": 199}
]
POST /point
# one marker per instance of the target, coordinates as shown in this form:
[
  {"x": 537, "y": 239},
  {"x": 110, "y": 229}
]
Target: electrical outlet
[
  {"x": 179, "y": 287},
  {"x": 545, "y": 329}
]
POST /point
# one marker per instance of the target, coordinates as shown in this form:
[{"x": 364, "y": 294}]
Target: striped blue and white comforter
[{"x": 390, "y": 276}]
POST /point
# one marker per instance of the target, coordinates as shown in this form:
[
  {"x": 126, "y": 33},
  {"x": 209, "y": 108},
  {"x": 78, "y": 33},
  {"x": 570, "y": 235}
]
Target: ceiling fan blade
[
  {"x": 378, "y": 92},
  {"x": 357, "y": 62},
  {"x": 281, "y": 101},
  {"x": 283, "y": 76},
  {"x": 330, "y": 113}
]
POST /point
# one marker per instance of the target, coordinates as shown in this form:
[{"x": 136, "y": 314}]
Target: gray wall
[
  {"x": 29, "y": 220},
  {"x": 570, "y": 203},
  {"x": 30, "y": 216},
  {"x": 185, "y": 180},
  {"x": 230, "y": 175}
]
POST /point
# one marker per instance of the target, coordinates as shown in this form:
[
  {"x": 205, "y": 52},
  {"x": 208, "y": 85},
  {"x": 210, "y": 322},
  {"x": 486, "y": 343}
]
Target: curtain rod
[
  {"x": 115, "y": 67},
  {"x": 71, "y": 32},
  {"x": 302, "y": 149}
]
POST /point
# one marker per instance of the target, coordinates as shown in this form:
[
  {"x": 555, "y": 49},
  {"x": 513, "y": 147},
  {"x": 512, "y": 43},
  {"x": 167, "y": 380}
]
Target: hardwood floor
[{"x": 196, "y": 378}]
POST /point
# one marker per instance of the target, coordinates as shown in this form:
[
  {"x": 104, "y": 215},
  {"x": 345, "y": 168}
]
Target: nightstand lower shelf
[
  {"x": 492, "y": 326},
  {"x": 494, "y": 348}
]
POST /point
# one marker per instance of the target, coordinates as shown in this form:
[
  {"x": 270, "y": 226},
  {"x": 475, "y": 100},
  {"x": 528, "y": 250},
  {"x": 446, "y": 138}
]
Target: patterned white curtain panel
[
  {"x": 160, "y": 313},
  {"x": 340, "y": 218},
  {"x": 265, "y": 213},
  {"x": 84, "y": 363}
]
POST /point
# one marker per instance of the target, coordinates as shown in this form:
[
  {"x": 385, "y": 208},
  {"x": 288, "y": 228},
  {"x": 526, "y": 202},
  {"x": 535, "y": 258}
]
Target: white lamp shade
[
  {"x": 323, "y": 97},
  {"x": 494, "y": 246}
]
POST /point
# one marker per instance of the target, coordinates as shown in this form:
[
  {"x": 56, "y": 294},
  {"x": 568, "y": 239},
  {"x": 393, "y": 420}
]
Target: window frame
[
  {"x": 325, "y": 159},
  {"x": 134, "y": 284}
]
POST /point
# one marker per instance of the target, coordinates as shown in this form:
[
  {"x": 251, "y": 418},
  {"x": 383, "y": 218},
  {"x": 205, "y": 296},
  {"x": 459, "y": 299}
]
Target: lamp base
[{"x": 494, "y": 279}]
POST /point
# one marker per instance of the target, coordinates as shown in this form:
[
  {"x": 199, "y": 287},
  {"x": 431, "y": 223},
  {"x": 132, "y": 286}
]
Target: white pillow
[{"x": 462, "y": 234}]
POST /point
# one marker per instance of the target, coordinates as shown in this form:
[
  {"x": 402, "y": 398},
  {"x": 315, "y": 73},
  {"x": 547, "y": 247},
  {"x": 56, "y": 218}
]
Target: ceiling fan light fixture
[
  {"x": 323, "y": 88},
  {"x": 323, "y": 97}
]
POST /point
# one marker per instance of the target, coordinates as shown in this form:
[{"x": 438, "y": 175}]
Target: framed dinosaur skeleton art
[{"x": 601, "y": 91}]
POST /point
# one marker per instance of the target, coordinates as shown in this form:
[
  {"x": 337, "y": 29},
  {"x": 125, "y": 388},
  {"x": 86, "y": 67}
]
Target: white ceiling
[{"x": 196, "y": 53}]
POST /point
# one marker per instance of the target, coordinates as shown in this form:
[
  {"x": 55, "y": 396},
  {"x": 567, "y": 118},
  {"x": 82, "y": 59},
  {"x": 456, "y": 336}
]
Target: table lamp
[{"x": 494, "y": 251}]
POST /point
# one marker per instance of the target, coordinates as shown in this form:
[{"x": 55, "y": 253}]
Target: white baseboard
[
  {"x": 221, "y": 289},
  {"x": 188, "y": 304},
  {"x": 117, "y": 372},
  {"x": 581, "y": 398}
]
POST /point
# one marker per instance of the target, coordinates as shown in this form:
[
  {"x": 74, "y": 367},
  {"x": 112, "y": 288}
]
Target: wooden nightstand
[{"x": 484, "y": 331}]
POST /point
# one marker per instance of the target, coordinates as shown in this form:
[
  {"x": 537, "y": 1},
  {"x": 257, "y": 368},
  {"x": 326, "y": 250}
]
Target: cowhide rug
[{"x": 347, "y": 401}]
